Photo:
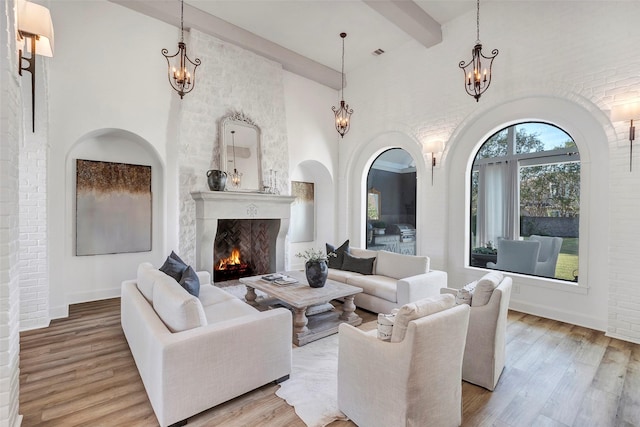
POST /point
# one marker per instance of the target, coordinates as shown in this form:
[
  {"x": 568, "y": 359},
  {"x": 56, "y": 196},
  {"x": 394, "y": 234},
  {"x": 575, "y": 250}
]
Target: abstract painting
[
  {"x": 302, "y": 225},
  {"x": 113, "y": 208}
]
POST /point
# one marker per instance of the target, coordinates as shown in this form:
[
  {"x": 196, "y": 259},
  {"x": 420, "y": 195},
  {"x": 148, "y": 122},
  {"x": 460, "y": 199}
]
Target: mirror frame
[{"x": 239, "y": 119}]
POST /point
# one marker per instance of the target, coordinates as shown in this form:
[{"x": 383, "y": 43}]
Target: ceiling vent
[{"x": 377, "y": 52}]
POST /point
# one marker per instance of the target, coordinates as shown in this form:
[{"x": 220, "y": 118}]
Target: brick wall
[{"x": 10, "y": 135}]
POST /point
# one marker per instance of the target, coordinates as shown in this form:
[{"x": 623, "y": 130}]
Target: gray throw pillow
[
  {"x": 173, "y": 266},
  {"x": 357, "y": 265},
  {"x": 190, "y": 281},
  {"x": 336, "y": 261}
]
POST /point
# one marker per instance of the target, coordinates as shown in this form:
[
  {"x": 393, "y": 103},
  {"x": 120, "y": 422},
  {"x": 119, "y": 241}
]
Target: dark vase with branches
[{"x": 315, "y": 267}]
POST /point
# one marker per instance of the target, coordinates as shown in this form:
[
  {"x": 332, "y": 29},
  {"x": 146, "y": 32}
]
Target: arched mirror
[{"x": 240, "y": 153}]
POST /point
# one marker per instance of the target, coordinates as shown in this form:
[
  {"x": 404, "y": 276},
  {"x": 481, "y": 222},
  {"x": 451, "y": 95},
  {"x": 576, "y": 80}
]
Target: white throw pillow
[
  {"x": 418, "y": 309},
  {"x": 385, "y": 325},
  {"x": 465, "y": 294},
  {"x": 400, "y": 266},
  {"x": 484, "y": 288}
]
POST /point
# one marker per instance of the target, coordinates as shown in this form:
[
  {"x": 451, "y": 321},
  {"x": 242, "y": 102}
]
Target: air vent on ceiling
[{"x": 377, "y": 52}]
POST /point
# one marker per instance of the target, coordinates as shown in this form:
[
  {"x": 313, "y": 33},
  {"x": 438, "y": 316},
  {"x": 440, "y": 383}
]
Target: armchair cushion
[
  {"x": 336, "y": 261},
  {"x": 418, "y": 309},
  {"x": 358, "y": 265},
  {"x": 484, "y": 288},
  {"x": 400, "y": 266}
]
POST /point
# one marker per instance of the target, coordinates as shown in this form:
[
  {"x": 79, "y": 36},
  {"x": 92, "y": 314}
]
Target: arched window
[
  {"x": 391, "y": 203},
  {"x": 525, "y": 202}
]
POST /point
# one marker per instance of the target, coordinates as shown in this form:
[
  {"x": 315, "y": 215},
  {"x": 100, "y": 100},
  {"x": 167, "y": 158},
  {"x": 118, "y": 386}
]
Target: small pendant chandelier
[
  {"x": 343, "y": 113},
  {"x": 477, "y": 80},
  {"x": 236, "y": 177},
  {"x": 182, "y": 74}
]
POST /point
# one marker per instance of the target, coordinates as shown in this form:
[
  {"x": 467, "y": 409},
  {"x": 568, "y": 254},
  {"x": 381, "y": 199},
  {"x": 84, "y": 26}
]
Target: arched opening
[
  {"x": 525, "y": 202},
  {"x": 391, "y": 203}
]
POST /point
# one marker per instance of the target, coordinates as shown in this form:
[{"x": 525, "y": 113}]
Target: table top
[{"x": 300, "y": 294}]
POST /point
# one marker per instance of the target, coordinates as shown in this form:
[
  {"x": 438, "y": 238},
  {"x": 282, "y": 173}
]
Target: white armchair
[
  {"x": 414, "y": 382},
  {"x": 548, "y": 255},
  {"x": 516, "y": 256},
  {"x": 484, "y": 353}
]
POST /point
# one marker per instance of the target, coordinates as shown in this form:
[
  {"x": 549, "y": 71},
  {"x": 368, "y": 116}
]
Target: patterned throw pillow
[
  {"x": 336, "y": 261},
  {"x": 385, "y": 325},
  {"x": 465, "y": 294}
]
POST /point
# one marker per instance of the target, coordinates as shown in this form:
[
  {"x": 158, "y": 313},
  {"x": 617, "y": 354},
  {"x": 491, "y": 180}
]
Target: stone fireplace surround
[{"x": 214, "y": 205}]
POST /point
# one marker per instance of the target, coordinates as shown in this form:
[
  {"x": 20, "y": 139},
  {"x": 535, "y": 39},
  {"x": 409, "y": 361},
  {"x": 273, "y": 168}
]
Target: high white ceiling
[{"x": 303, "y": 35}]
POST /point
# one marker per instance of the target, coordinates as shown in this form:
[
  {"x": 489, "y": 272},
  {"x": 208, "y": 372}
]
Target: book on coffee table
[
  {"x": 273, "y": 277},
  {"x": 285, "y": 281}
]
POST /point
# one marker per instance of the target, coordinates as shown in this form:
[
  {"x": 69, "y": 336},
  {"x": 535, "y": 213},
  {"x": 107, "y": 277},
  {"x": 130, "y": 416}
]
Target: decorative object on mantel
[
  {"x": 271, "y": 186},
  {"x": 34, "y": 22},
  {"x": 216, "y": 179},
  {"x": 181, "y": 79},
  {"x": 236, "y": 177},
  {"x": 627, "y": 112},
  {"x": 343, "y": 113},
  {"x": 315, "y": 267},
  {"x": 476, "y": 82}
]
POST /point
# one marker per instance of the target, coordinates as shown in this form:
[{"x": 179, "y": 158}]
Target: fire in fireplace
[{"x": 231, "y": 267}]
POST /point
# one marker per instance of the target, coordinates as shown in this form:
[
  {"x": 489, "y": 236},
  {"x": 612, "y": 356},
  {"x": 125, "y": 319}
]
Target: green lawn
[{"x": 568, "y": 259}]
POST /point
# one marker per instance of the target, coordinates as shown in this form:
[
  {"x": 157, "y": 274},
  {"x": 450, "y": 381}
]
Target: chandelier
[
  {"x": 477, "y": 80},
  {"x": 182, "y": 73},
  {"x": 236, "y": 177},
  {"x": 343, "y": 113}
]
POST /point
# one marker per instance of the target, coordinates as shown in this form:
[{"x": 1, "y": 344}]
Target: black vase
[
  {"x": 316, "y": 272},
  {"x": 216, "y": 179}
]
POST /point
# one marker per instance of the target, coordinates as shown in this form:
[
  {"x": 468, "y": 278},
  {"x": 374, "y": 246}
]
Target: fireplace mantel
[{"x": 214, "y": 205}]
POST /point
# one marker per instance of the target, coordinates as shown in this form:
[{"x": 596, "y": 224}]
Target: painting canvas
[
  {"x": 113, "y": 208},
  {"x": 302, "y": 227}
]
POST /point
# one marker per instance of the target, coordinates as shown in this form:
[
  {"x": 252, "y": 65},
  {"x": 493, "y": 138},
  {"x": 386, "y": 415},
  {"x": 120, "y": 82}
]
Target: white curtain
[{"x": 497, "y": 202}]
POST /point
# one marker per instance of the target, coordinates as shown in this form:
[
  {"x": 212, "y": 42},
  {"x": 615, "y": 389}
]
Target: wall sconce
[
  {"x": 34, "y": 23},
  {"x": 434, "y": 147},
  {"x": 627, "y": 112}
]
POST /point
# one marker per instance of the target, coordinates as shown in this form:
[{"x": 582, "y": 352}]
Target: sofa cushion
[
  {"x": 341, "y": 275},
  {"x": 365, "y": 253},
  {"x": 173, "y": 266},
  {"x": 210, "y": 295},
  {"x": 178, "y": 310},
  {"x": 400, "y": 266},
  {"x": 484, "y": 288},
  {"x": 378, "y": 286},
  {"x": 336, "y": 261},
  {"x": 227, "y": 310},
  {"x": 358, "y": 265},
  {"x": 146, "y": 278},
  {"x": 190, "y": 281},
  {"x": 418, "y": 309}
]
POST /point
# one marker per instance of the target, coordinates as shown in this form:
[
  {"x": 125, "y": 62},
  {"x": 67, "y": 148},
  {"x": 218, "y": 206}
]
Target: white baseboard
[
  {"x": 59, "y": 312},
  {"x": 93, "y": 295},
  {"x": 560, "y": 315},
  {"x": 28, "y": 325},
  {"x": 622, "y": 337}
]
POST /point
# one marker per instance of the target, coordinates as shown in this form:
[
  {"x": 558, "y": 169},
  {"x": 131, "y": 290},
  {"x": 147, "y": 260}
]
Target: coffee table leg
[
  {"x": 348, "y": 309},
  {"x": 251, "y": 296},
  {"x": 300, "y": 322}
]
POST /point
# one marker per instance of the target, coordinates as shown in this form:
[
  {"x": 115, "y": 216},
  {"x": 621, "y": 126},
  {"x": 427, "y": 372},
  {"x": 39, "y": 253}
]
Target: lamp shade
[
  {"x": 623, "y": 112},
  {"x": 34, "y": 19},
  {"x": 434, "y": 147}
]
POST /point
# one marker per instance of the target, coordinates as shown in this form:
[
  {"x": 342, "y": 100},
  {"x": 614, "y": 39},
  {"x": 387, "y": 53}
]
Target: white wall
[{"x": 419, "y": 92}]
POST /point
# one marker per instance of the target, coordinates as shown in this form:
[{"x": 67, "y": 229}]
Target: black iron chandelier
[
  {"x": 342, "y": 113},
  {"x": 477, "y": 80},
  {"x": 182, "y": 73}
]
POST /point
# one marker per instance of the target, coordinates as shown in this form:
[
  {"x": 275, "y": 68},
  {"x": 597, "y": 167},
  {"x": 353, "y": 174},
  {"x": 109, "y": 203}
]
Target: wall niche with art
[{"x": 391, "y": 203}]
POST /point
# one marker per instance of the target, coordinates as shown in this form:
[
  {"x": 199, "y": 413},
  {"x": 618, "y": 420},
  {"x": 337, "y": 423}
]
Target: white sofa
[
  {"x": 194, "y": 353},
  {"x": 396, "y": 280}
]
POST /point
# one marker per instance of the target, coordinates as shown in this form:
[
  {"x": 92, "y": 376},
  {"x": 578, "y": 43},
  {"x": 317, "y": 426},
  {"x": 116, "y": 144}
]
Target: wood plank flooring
[{"x": 79, "y": 372}]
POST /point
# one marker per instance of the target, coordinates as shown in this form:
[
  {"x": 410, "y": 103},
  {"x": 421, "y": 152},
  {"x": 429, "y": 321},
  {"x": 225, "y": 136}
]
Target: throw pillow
[
  {"x": 385, "y": 325},
  {"x": 357, "y": 265},
  {"x": 190, "y": 281},
  {"x": 465, "y": 294},
  {"x": 336, "y": 261},
  {"x": 418, "y": 309},
  {"x": 484, "y": 288},
  {"x": 173, "y": 266}
]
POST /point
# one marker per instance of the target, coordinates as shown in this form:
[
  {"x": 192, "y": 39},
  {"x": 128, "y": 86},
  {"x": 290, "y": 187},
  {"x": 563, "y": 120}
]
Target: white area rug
[{"x": 312, "y": 388}]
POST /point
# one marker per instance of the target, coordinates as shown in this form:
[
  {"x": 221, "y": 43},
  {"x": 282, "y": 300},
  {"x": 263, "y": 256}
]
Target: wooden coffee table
[{"x": 300, "y": 296}]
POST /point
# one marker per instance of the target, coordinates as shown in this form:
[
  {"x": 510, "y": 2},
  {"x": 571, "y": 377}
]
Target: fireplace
[
  {"x": 244, "y": 247},
  {"x": 264, "y": 215}
]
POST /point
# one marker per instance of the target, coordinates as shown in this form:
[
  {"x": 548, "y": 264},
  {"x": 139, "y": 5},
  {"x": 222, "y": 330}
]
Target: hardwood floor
[{"x": 79, "y": 371}]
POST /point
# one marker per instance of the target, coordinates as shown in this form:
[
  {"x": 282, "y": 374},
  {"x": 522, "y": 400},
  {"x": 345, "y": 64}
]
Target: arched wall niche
[
  {"x": 99, "y": 276},
  {"x": 588, "y": 127},
  {"x": 325, "y": 212},
  {"x": 358, "y": 166}
]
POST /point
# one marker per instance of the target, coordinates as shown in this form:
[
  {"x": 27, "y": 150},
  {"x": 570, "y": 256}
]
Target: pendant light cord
[
  {"x": 342, "y": 72},
  {"x": 478, "y": 21},
  {"x": 182, "y": 21}
]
